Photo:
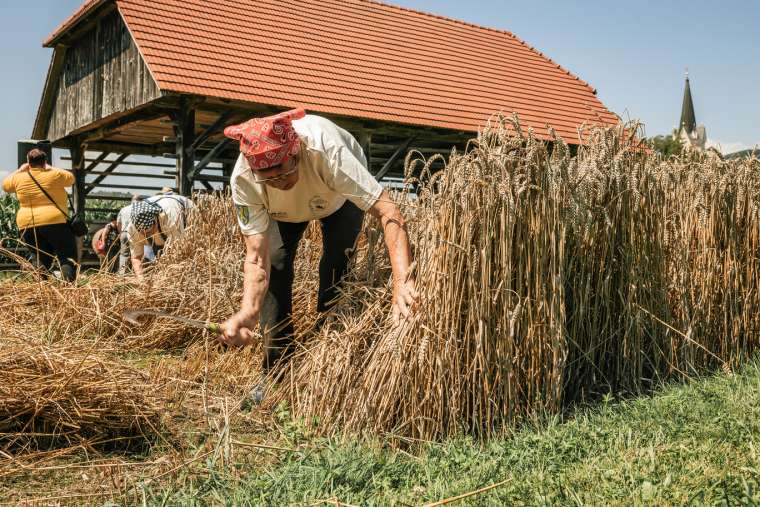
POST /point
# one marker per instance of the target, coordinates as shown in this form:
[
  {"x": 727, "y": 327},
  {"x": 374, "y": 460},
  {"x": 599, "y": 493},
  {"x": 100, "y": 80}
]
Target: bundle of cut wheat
[
  {"x": 487, "y": 344},
  {"x": 714, "y": 268}
]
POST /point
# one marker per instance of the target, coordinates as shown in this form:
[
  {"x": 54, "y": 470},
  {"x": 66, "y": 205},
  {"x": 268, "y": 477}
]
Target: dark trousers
[
  {"x": 339, "y": 233},
  {"x": 49, "y": 244},
  {"x": 110, "y": 261}
]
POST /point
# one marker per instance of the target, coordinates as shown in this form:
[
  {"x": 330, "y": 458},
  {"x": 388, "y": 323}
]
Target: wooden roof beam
[
  {"x": 122, "y": 123},
  {"x": 212, "y": 129},
  {"x": 393, "y": 158},
  {"x": 129, "y": 148}
]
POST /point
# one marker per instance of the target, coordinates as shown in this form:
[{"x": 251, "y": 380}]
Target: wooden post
[
  {"x": 78, "y": 192},
  {"x": 185, "y": 133}
]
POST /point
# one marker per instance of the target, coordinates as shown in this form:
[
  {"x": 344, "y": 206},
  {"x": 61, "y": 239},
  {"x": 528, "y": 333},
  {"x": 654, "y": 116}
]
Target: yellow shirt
[{"x": 35, "y": 208}]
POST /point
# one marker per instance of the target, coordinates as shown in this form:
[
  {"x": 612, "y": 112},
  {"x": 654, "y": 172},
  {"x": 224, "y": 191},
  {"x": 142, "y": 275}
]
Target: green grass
[{"x": 691, "y": 444}]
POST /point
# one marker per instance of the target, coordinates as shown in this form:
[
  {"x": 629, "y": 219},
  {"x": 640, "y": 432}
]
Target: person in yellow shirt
[{"x": 42, "y": 219}]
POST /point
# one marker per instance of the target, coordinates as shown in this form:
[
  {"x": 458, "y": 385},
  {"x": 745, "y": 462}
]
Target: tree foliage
[{"x": 667, "y": 145}]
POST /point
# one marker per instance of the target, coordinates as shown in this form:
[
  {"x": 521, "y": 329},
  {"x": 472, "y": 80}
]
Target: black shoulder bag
[{"x": 76, "y": 221}]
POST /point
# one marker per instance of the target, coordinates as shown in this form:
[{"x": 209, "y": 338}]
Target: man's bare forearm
[
  {"x": 255, "y": 284},
  {"x": 396, "y": 236},
  {"x": 397, "y": 242},
  {"x": 238, "y": 329}
]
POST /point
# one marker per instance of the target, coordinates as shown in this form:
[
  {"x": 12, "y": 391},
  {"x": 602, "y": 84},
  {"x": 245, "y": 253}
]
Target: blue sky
[{"x": 634, "y": 54}]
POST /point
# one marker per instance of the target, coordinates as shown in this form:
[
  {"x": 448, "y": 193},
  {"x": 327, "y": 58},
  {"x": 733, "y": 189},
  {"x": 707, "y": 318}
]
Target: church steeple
[
  {"x": 688, "y": 119},
  {"x": 690, "y": 134}
]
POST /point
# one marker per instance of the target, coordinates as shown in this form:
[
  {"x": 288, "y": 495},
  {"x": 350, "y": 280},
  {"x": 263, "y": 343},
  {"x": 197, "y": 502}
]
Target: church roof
[{"x": 688, "y": 119}]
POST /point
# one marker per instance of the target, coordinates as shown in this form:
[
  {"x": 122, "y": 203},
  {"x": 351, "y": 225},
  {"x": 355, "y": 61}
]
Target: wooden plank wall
[{"x": 103, "y": 73}]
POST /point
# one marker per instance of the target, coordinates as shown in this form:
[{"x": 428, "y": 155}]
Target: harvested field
[
  {"x": 545, "y": 277},
  {"x": 59, "y": 397}
]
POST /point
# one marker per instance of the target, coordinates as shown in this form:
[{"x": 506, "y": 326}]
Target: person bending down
[
  {"x": 294, "y": 168},
  {"x": 105, "y": 243},
  {"x": 155, "y": 221}
]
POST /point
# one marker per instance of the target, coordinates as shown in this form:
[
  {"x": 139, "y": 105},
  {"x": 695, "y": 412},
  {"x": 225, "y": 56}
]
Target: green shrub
[{"x": 8, "y": 208}]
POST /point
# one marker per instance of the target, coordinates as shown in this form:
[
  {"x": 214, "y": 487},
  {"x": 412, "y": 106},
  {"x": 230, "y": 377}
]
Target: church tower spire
[
  {"x": 690, "y": 134},
  {"x": 688, "y": 119}
]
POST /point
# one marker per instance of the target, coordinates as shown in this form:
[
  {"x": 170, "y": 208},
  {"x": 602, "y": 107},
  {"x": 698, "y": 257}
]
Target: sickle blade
[{"x": 133, "y": 316}]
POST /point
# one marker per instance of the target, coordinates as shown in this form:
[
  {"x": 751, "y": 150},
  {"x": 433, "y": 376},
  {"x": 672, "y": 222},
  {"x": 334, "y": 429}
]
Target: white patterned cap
[{"x": 144, "y": 215}]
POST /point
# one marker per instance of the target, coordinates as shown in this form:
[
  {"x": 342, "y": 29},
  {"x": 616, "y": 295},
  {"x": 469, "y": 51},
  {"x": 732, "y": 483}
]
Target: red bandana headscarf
[{"x": 267, "y": 142}]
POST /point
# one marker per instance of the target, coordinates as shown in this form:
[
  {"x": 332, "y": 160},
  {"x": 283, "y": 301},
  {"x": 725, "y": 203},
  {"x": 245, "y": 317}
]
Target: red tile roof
[{"x": 357, "y": 58}]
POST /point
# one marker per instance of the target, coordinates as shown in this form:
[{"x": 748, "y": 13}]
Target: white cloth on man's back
[{"x": 171, "y": 222}]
